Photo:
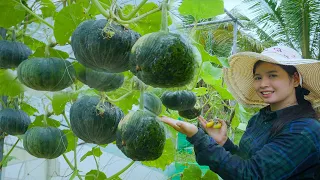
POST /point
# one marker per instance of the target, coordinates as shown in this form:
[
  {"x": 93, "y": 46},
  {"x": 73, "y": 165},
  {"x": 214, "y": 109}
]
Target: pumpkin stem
[
  {"x": 100, "y": 8},
  {"x": 164, "y": 17},
  {"x": 13, "y": 35},
  {"x": 121, "y": 171},
  {"x": 132, "y": 13}
]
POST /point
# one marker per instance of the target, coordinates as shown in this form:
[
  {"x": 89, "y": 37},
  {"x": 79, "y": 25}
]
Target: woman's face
[{"x": 274, "y": 86}]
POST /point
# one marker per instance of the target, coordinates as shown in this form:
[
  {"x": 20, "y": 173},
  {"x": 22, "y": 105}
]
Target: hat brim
[{"x": 239, "y": 77}]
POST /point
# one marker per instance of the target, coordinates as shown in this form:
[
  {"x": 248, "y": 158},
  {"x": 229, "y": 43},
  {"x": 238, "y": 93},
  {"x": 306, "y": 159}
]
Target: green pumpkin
[
  {"x": 140, "y": 136},
  {"x": 46, "y": 74},
  {"x": 101, "y": 48},
  {"x": 14, "y": 122},
  {"x": 152, "y": 103},
  {"x": 12, "y": 54},
  {"x": 92, "y": 125},
  {"x": 99, "y": 80},
  {"x": 45, "y": 142},
  {"x": 190, "y": 113},
  {"x": 179, "y": 100},
  {"x": 162, "y": 60}
]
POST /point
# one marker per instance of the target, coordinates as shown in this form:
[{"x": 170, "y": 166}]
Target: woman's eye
[
  {"x": 257, "y": 78},
  {"x": 272, "y": 75}
]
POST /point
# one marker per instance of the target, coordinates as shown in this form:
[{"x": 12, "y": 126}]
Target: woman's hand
[
  {"x": 219, "y": 135},
  {"x": 181, "y": 126}
]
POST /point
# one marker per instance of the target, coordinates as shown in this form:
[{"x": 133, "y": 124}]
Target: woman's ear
[{"x": 296, "y": 79}]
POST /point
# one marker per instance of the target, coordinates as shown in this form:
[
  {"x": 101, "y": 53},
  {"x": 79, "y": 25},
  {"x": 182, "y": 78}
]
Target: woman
[{"x": 282, "y": 141}]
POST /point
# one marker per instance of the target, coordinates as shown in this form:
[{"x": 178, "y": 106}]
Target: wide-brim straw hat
[{"x": 239, "y": 76}]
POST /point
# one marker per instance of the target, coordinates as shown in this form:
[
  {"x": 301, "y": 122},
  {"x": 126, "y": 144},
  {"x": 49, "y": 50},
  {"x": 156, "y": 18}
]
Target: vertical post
[
  {"x": 318, "y": 45},
  {"x": 235, "y": 37}
]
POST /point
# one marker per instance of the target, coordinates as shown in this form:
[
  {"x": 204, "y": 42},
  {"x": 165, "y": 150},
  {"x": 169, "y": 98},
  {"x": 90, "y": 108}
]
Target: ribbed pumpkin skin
[
  {"x": 190, "y": 113},
  {"x": 98, "y": 50},
  {"x": 179, "y": 100},
  {"x": 101, "y": 81},
  {"x": 14, "y": 122},
  {"x": 92, "y": 127},
  {"x": 45, "y": 142},
  {"x": 152, "y": 103},
  {"x": 140, "y": 136},
  {"x": 46, "y": 74},
  {"x": 162, "y": 60},
  {"x": 12, "y": 54}
]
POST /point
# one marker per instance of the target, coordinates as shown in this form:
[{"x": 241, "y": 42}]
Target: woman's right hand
[{"x": 219, "y": 135}]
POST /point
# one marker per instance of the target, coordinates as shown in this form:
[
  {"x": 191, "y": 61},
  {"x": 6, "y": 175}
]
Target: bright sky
[{"x": 229, "y": 4}]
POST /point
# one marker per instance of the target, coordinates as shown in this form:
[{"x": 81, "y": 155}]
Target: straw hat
[{"x": 239, "y": 76}]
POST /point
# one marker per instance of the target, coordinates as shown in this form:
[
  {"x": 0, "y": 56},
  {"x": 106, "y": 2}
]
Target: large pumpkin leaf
[
  {"x": 96, "y": 151},
  {"x": 32, "y": 43},
  {"x": 40, "y": 52},
  {"x": 124, "y": 104},
  {"x": 200, "y": 91},
  {"x": 151, "y": 23},
  {"x": 48, "y": 9},
  {"x": 72, "y": 139},
  {"x": 60, "y": 99},
  {"x": 11, "y": 13},
  {"x": 95, "y": 175},
  {"x": 67, "y": 21},
  {"x": 9, "y": 86},
  {"x": 205, "y": 55},
  {"x": 204, "y": 10},
  {"x": 28, "y": 109},
  {"x": 165, "y": 159},
  {"x": 39, "y": 121}
]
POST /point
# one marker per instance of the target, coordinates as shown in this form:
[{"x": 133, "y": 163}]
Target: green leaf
[
  {"x": 151, "y": 23},
  {"x": 71, "y": 140},
  {"x": 235, "y": 122},
  {"x": 28, "y": 109},
  {"x": 67, "y": 21},
  {"x": 204, "y": 10},
  {"x": 192, "y": 172},
  {"x": 210, "y": 176},
  {"x": 40, "y": 52},
  {"x": 165, "y": 159},
  {"x": 95, "y": 175},
  {"x": 224, "y": 61},
  {"x": 60, "y": 99},
  {"x": 200, "y": 91},
  {"x": 9, "y": 86},
  {"x": 125, "y": 104},
  {"x": 206, "y": 56},
  {"x": 96, "y": 151},
  {"x": 209, "y": 73},
  {"x": 222, "y": 90},
  {"x": 48, "y": 9},
  {"x": 11, "y": 13},
  {"x": 32, "y": 43},
  {"x": 39, "y": 121}
]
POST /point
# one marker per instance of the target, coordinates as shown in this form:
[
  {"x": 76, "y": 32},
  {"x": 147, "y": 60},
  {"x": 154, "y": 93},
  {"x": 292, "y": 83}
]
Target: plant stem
[
  {"x": 100, "y": 8},
  {"x": 120, "y": 98},
  {"x": 67, "y": 120},
  {"x": 164, "y": 17},
  {"x": 71, "y": 166},
  {"x": 35, "y": 15},
  {"x": 134, "y": 19},
  {"x": 120, "y": 172},
  {"x": 95, "y": 159},
  {"x": 7, "y": 155},
  {"x": 134, "y": 12},
  {"x": 141, "y": 84}
]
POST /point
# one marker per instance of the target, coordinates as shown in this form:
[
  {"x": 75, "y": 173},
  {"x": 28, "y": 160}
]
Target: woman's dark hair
[{"x": 305, "y": 107}]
